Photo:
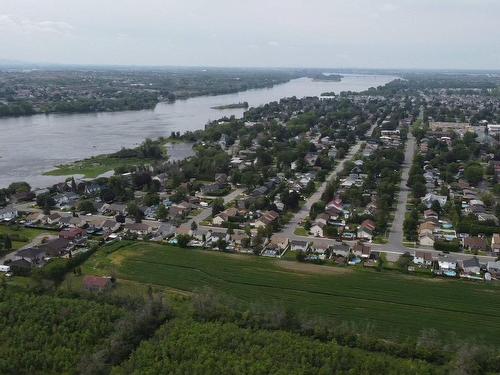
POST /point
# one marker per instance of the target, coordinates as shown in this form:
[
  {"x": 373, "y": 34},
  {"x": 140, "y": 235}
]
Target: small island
[
  {"x": 232, "y": 106},
  {"x": 326, "y": 77},
  {"x": 329, "y": 93}
]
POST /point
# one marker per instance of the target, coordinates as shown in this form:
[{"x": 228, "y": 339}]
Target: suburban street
[
  {"x": 289, "y": 229},
  {"x": 394, "y": 246},
  {"x": 396, "y": 230}
]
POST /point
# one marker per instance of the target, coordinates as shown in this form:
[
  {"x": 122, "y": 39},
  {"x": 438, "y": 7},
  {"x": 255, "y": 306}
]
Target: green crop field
[{"x": 388, "y": 302}]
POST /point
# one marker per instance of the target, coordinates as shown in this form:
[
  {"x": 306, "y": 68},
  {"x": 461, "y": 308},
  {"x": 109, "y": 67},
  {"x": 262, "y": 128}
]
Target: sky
[{"x": 412, "y": 34}]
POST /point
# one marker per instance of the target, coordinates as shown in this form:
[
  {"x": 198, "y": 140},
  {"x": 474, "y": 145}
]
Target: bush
[{"x": 452, "y": 246}]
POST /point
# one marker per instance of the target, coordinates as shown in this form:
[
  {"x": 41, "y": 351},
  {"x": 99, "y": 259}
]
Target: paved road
[
  {"x": 205, "y": 213},
  {"x": 396, "y": 230},
  {"x": 289, "y": 229}
]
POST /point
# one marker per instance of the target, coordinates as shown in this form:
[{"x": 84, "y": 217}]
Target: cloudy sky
[{"x": 449, "y": 34}]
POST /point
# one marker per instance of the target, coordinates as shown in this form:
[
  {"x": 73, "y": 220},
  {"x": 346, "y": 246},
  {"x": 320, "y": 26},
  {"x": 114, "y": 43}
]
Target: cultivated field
[{"x": 389, "y": 303}]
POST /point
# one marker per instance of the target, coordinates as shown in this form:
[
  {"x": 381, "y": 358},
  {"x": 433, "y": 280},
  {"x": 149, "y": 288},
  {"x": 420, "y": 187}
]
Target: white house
[
  {"x": 365, "y": 233},
  {"x": 8, "y": 213},
  {"x": 430, "y": 198},
  {"x": 317, "y": 229},
  {"x": 422, "y": 258},
  {"x": 447, "y": 264}
]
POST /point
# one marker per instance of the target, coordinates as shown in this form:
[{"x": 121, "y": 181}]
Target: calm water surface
[{"x": 34, "y": 144}]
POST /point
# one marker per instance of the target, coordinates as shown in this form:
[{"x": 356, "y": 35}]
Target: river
[{"x": 31, "y": 145}]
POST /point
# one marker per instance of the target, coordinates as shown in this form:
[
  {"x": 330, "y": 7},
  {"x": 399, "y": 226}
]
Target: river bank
[{"x": 32, "y": 145}]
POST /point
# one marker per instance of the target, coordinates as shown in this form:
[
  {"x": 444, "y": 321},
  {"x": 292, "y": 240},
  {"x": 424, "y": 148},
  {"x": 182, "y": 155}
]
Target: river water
[{"x": 32, "y": 145}]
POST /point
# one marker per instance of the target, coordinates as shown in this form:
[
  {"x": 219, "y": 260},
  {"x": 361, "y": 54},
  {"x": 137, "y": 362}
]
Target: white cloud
[{"x": 24, "y": 25}]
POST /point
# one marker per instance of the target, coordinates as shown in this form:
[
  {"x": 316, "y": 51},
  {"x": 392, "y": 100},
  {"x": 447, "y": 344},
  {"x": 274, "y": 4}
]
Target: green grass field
[
  {"x": 93, "y": 167},
  {"x": 389, "y": 303}
]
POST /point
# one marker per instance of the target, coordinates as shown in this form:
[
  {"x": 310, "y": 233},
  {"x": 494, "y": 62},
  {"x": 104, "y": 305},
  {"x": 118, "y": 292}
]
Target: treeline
[
  {"x": 226, "y": 336},
  {"x": 20, "y": 108},
  {"x": 187, "y": 347}
]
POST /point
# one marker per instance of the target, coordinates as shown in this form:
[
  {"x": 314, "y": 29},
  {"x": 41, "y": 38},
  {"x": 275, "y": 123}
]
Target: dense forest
[
  {"x": 48, "y": 335},
  {"x": 184, "y": 346}
]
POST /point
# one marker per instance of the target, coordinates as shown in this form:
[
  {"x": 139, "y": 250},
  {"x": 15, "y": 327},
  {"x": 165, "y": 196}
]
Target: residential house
[
  {"x": 430, "y": 198},
  {"x": 66, "y": 200},
  {"x": 422, "y": 258},
  {"x": 35, "y": 218},
  {"x": 426, "y": 239},
  {"x": 493, "y": 268},
  {"x": 427, "y": 227},
  {"x": 33, "y": 255},
  {"x": 361, "y": 250},
  {"x": 8, "y": 213},
  {"x": 56, "y": 247},
  {"x": 141, "y": 229},
  {"x": 96, "y": 283},
  {"x": 298, "y": 245},
  {"x": 322, "y": 218},
  {"x": 165, "y": 231},
  {"x": 225, "y": 216},
  {"x": 484, "y": 216},
  {"x": 446, "y": 264},
  {"x": 317, "y": 229},
  {"x": 475, "y": 243},
  {"x": 267, "y": 218},
  {"x": 321, "y": 249},
  {"x": 283, "y": 243},
  {"x": 495, "y": 243},
  {"x": 430, "y": 214},
  {"x": 109, "y": 226},
  {"x": 341, "y": 249},
  {"x": 72, "y": 234},
  {"x": 53, "y": 218},
  {"x": 471, "y": 266},
  {"x": 365, "y": 230}
]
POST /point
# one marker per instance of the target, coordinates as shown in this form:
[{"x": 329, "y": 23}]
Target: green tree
[
  {"x": 86, "y": 206},
  {"x": 473, "y": 173},
  {"x": 151, "y": 199},
  {"x": 183, "y": 240},
  {"x": 162, "y": 213},
  {"x": 217, "y": 206},
  {"x": 7, "y": 243}
]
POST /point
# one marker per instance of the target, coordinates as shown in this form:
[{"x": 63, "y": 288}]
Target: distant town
[
  {"x": 407, "y": 178},
  {"x": 366, "y": 222}
]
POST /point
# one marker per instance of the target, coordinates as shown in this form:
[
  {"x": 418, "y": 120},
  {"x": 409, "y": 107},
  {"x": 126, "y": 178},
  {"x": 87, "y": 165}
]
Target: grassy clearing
[
  {"x": 21, "y": 236},
  {"x": 95, "y": 166},
  {"x": 389, "y": 303}
]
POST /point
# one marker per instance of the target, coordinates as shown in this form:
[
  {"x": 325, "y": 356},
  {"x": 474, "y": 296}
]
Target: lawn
[
  {"x": 300, "y": 231},
  {"x": 21, "y": 236},
  {"x": 389, "y": 303},
  {"x": 95, "y": 166}
]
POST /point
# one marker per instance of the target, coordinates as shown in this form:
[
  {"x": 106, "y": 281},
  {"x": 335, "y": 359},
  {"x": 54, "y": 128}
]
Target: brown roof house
[
  {"x": 475, "y": 243},
  {"x": 97, "y": 283}
]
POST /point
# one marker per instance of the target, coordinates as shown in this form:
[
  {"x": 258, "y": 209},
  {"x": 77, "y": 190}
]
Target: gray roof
[
  {"x": 30, "y": 253},
  {"x": 472, "y": 262}
]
